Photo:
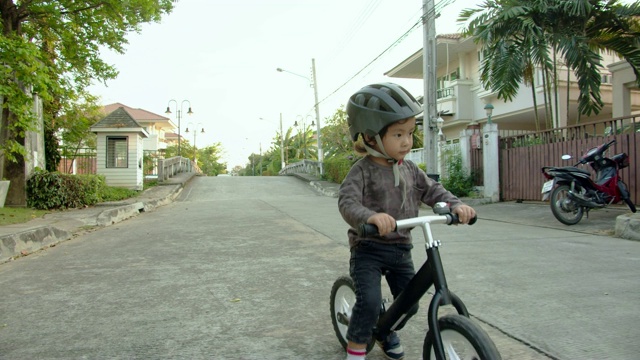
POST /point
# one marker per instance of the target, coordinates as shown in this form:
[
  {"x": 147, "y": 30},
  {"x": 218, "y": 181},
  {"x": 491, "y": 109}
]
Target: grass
[
  {"x": 10, "y": 216},
  {"x": 19, "y": 215}
]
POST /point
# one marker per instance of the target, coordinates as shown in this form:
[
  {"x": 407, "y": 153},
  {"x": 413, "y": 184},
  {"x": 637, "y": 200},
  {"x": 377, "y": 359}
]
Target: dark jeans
[{"x": 369, "y": 261}]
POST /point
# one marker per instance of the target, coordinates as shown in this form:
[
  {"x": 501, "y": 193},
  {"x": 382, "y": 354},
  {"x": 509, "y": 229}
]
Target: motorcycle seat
[{"x": 572, "y": 169}]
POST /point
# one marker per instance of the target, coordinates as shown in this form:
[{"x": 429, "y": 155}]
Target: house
[
  {"x": 120, "y": 149},
  {"x": 462, "y": 98},
  {"x": 160, "y": 129}
]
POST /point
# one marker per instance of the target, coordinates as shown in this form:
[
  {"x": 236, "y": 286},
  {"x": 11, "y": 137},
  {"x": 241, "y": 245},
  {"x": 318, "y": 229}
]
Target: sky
[{"x": 222, "y": 55}]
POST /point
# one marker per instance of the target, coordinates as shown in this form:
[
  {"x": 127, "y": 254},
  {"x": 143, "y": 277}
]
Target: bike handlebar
[{"x": 448, "y": 219}]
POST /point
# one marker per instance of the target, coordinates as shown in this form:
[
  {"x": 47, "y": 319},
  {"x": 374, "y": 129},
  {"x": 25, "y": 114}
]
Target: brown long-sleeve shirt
[{"x": 369, "y": 189}]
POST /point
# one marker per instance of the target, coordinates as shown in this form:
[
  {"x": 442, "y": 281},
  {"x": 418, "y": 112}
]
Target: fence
[
  {"x": 83, "y": 162},
  {"x": 522, "y": 156}
]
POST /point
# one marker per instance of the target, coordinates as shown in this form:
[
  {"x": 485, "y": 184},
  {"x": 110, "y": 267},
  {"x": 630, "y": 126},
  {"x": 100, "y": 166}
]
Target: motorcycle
[{"x": 572, "y": 192}]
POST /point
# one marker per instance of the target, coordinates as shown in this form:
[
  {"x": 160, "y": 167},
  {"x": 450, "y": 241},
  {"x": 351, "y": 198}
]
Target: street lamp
[
  {"x": 313, "y": 82},
  {"x": 489, "y": 109},
  {"x": 303, "y": 123},
  {"x": 282, "y": 164},
  {"x": 178, "y": 116},
  {"x": 195, "y": 131}
]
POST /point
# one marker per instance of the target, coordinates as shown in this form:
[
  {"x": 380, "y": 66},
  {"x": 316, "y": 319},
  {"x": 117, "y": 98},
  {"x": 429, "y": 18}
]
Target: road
[{"x": 241, "y": 268}]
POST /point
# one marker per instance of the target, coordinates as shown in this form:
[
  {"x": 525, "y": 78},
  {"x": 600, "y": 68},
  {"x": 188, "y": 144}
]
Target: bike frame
[{"x": 430, "y": 273}]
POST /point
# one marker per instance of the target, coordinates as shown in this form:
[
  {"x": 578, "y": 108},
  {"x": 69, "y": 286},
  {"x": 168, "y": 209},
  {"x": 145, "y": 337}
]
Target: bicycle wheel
[
  {"x": 563, "y": 208},
  {"x": 462, "y": 340},
  {"x": 343, "y": 297}
]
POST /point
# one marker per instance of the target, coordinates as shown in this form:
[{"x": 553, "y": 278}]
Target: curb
[{"x": 29, "y": 241}]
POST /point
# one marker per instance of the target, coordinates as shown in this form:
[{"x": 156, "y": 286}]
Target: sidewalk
[
  {"x": 22, "y": 239},
  {"x": 615, "y": 220}
]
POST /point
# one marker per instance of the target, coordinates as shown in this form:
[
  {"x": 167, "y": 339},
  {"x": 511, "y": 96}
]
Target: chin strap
[
  {"x": 396, "y": 163},
  {"x": 383, "y": 154},
  {"x": 396, "y": 170}
]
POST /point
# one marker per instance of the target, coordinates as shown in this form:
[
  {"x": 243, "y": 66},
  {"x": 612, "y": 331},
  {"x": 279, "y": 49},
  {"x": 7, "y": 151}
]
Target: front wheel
[
  {"x": 624, "y": 193},
  {"x": 461, "y": 339},
  {"x": 563, "y": 208},
  {"x": 343, "y": 298}
]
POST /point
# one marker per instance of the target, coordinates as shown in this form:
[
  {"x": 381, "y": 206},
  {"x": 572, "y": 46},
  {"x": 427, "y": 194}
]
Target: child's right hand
[{"x": 385, "y": 223}]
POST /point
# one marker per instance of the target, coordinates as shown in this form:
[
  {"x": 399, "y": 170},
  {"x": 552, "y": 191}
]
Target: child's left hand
[{"x": 465, "y": 213}]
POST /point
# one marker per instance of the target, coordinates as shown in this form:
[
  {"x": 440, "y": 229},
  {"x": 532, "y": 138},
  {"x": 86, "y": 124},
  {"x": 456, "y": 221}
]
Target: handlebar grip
[
  {"x": 367, "y": 230},
  {"x": 455, "y": 220}
]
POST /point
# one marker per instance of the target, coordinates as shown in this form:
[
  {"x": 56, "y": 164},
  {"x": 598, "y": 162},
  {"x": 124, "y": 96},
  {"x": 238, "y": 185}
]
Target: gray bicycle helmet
[{"x": 376, "y": 106}]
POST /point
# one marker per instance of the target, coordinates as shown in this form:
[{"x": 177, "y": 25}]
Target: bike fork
[{"x": 442, "y": 296}]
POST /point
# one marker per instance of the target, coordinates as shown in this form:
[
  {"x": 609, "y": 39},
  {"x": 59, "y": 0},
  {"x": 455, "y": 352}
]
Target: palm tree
[{"x": 518, "y": 36}]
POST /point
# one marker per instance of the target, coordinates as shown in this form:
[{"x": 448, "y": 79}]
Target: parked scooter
[{"x": 572, "y": 192}]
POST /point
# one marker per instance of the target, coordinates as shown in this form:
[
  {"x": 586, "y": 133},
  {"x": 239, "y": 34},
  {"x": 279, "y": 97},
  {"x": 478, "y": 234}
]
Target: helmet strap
[{"x": 383, "y": 154}]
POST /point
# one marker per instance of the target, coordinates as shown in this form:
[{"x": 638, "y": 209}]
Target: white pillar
[{"x": 490, "y": 156}]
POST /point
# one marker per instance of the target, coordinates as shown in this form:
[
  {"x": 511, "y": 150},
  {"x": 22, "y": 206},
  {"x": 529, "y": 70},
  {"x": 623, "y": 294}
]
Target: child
[{"x": 379, "y": 189}]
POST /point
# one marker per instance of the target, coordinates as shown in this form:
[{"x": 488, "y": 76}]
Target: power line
[{"x": 437, "y": 9}]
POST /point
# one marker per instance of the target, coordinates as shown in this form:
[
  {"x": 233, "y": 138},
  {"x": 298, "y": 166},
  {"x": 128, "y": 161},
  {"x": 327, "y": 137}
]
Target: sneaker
[{"x": 392, "y": 347}]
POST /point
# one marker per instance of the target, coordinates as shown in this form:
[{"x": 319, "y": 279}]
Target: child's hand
[
  {"x": 385, "y": 223},
  {"x": 465, "y": 213}
]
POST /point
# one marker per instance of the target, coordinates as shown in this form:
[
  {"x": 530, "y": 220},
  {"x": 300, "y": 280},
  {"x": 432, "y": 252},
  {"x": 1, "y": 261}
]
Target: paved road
[{"x": 241, "y": 268}]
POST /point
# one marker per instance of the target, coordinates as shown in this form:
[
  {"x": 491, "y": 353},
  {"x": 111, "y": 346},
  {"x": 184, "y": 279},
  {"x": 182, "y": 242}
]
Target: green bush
[
  {"x": 53, "y": 190},
  {"x": 457, "y": 180},
  {"x": 337, "y": 168}
]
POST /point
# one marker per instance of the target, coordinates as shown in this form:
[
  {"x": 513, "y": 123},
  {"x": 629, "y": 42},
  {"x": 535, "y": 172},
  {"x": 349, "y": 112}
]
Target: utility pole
[
  {"x": 317, "y": 107},
  {"x": 282, "y": 164},
  {"x": 429, "y": 72}
]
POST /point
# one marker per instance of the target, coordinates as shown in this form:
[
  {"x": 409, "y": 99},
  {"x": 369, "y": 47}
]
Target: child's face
[{"x": 398, "y": 140}]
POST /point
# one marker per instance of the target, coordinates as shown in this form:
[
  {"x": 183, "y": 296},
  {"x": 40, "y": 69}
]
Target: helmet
[{"x": 376, "y": 106}]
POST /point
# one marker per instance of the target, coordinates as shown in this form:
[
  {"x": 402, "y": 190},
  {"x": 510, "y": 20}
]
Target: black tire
[
  {"x": 343, "y": 297},
  {"x": 563, "y": 208},
  {"x": 625, "y": 196},
  {"x": 462, "y": 339},
  {"x": 630, "y": 204}
]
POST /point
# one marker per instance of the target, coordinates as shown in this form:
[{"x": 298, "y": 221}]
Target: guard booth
[{"x": 120, "y": 150}]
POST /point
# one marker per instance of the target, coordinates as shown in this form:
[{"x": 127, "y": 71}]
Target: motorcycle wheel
[
  {"x": 625, "y": 196},
  {"x": 563, "y": 208},
  {"x": 630, "y": 204}
]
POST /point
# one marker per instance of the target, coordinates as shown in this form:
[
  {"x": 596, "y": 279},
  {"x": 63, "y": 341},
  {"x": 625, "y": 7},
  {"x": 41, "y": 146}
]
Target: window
[
  {"x": 455, "y": 75},
  {"x": 117, "y": 152}
]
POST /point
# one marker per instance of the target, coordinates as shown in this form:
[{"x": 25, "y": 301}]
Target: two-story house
[{"x": 462, "y": 98}]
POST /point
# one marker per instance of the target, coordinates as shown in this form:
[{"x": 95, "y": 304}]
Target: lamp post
[
  {"x": 195, "y": 131},
  {"x": 489, "y": 109},
  {"x": 282, "y": 164},
  {"x": 303, "y": 123},
  {"x": 313, "y": 82},
  {"x": 178, "y": 116}
]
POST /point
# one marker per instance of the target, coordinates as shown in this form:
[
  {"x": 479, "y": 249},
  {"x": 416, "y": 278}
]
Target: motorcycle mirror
[{"x": 566, "y": 157}]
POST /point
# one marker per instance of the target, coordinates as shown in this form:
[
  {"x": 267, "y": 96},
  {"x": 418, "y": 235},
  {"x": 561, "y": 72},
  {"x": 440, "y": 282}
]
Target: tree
[
  {"x": 336, "y": 140},
  {"x": 519, "y": 35},
  {"x": 50, "y": 50},
  {"x": 209, "y": 160}
]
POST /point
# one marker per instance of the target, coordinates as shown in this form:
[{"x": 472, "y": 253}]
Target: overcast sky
[{"x": 222, "y": 55}]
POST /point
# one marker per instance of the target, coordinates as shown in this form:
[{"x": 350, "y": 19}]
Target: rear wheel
[
  {"x": 563, "y": 208},
  {"x": 343, "y": 298},
  {"x": 462, "y": 339}
]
